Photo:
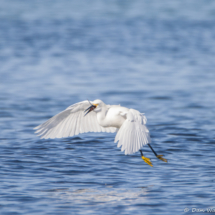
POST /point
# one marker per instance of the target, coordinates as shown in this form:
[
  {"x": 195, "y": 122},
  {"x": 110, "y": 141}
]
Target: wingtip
[{"x": 37, "y": 127}]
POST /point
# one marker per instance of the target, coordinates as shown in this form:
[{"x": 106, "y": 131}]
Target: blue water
[{"x": 153, "y": 56}]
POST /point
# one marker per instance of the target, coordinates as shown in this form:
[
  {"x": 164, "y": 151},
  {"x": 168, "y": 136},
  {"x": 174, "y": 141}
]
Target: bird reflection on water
[{"x": 101, "y": 196}]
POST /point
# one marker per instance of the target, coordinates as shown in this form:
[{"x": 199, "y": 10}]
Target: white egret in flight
[{"x": 132, "y": 134}]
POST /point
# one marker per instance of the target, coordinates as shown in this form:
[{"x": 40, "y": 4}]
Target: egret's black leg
[
  {"x": 158, "y": 156},
  {"x": 147, "y": 160},
  {"x": 153, "y": 150}
]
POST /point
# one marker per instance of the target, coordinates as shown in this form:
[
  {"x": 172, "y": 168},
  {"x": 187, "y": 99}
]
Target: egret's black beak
[{"x": 89, "y": 109}]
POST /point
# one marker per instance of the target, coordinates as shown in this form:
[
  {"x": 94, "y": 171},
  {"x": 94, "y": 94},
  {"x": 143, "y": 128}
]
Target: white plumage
[{"x": 132, "y": 134}]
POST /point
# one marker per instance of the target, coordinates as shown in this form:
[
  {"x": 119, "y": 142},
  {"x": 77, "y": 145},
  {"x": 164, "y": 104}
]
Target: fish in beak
[{"x": 89, "y": 109}]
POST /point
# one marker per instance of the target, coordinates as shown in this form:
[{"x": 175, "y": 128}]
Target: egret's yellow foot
[
  {"x": 147, "y": 160},
  {"x": 161, "y": 158}
]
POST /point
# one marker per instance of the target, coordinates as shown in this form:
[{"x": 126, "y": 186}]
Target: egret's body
[
  {"x": 112, "y": 116},
  {"x": 129, "y": 124}
]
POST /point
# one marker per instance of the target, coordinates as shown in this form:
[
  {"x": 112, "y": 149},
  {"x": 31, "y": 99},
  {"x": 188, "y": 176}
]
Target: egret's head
[{"x": 95, "y": 105}]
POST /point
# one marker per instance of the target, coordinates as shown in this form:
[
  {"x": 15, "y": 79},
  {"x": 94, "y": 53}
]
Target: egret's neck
[{"x": 101, "y": 116}]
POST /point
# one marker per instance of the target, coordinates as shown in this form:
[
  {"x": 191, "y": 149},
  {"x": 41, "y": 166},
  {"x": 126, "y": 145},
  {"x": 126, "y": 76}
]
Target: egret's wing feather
[
  {"x": 133, "y": 134},
  {"x": 71, "y": 122}
]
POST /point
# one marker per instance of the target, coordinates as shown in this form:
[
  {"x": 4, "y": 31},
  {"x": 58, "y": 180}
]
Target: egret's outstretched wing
[
  {"x": 71, "y": 122},
  {"x": 133, "y": 134}
]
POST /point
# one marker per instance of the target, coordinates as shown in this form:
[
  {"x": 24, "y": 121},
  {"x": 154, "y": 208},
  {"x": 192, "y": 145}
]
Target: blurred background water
[{"x": 157, "y": 57}]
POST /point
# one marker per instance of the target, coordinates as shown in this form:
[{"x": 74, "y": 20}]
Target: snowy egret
[{"x": 132, "y": 134}]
